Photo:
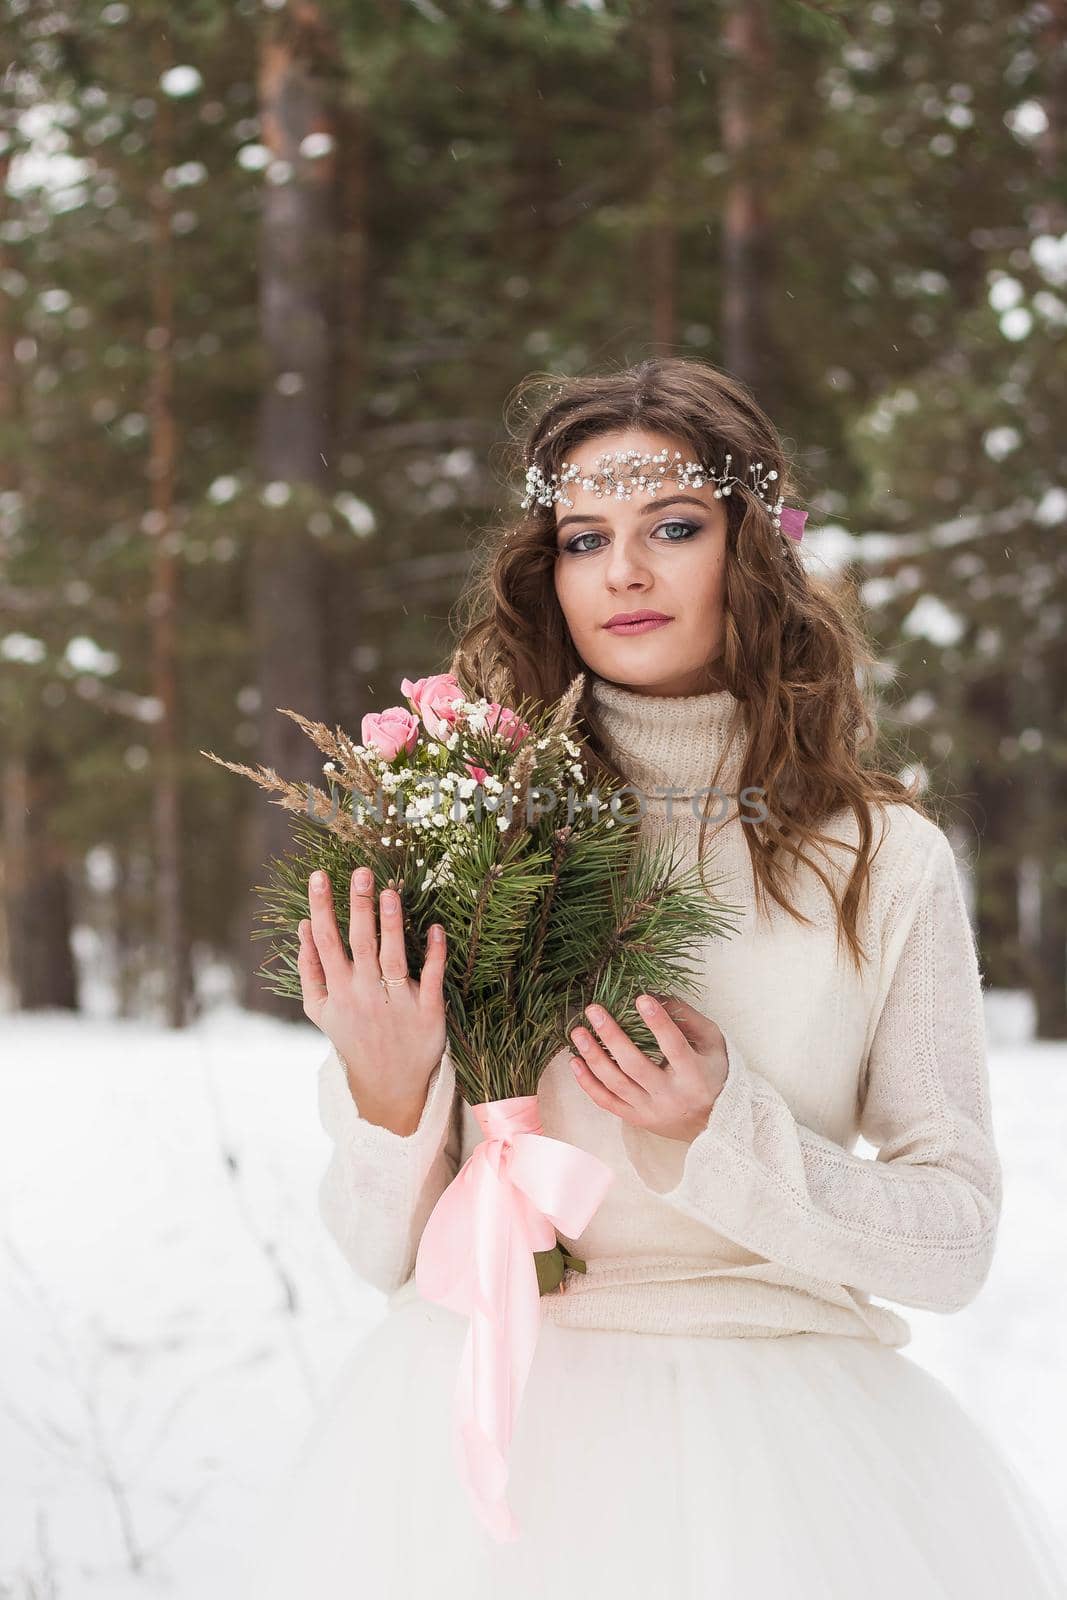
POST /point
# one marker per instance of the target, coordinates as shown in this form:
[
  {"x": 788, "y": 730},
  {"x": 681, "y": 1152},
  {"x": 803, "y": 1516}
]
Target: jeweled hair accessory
[{"x": 607, "y": 480}]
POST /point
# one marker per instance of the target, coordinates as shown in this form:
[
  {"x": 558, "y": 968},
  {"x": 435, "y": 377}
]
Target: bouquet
[{"x": 483, "y": 817}]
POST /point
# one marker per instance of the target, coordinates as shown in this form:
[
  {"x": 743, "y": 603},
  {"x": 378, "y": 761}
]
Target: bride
[{"x": 720, "y": 1404}]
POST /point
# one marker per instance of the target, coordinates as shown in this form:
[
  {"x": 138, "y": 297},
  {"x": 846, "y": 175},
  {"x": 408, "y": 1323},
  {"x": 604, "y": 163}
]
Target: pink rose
[
  {"x": 479, "y": 774},
  {"x": 390, "y": 731},
  {"x": 432, "y": 698},
  {"x": 505, "y": 722}
]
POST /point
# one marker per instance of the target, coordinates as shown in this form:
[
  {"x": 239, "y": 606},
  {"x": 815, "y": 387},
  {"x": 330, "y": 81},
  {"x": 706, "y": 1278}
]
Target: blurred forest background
[{"x": 269, "y": 272}]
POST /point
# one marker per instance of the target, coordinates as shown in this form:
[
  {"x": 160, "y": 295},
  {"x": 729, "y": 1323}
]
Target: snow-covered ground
[{"x": 173, "y": 1309}]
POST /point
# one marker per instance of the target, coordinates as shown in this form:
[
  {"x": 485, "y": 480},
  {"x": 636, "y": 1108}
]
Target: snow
[{"x": 175, "y": 1310}]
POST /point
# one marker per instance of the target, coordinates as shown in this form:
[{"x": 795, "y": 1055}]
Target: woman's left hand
[{"x": 674, "y": 1100}]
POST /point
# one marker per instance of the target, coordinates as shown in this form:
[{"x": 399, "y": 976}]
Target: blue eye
[{"x": 689, "y": 528}]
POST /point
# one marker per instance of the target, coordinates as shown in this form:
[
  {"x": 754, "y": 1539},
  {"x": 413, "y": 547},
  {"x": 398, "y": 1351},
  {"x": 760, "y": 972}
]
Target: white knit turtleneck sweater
[{"x": 766, "y": 1223}]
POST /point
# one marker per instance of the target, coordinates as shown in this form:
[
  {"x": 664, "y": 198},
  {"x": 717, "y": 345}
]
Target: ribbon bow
[
  {"x": 476, "y": 1256},
  {"x": 791, "y": 521}
]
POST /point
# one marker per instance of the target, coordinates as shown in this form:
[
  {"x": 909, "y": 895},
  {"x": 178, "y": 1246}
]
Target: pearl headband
[{"x": 690, "y": 474}]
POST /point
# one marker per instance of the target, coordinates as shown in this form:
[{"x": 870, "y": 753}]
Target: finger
[
  {"x": 675, "y": 1041},
  {"x": 363, "y": 929},
  {"x": 697, "y": 1029},
  {"x": 432, "y": 976},
  {"x": 598, "y": 1092},
  {"x": 313, "y": 988},
  {"x": 393, "y": 959},
  {"x": 331, "y": 952},
  {"x": 615, "y": 1039},
  {"x": 611, "y": 1075}
]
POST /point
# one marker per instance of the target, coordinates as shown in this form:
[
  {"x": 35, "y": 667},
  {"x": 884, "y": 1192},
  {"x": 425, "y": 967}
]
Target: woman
[{"x": 716, "y": 1406}]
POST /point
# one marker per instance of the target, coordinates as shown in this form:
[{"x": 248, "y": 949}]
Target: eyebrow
[{"x": 653, "y": 505}]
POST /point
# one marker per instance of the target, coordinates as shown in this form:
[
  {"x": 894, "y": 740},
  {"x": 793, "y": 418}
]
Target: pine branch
[{"x": 561, "y": 839}]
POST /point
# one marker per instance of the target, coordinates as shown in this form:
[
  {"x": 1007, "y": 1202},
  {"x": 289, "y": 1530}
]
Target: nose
[{"x": 625, "y": 568}]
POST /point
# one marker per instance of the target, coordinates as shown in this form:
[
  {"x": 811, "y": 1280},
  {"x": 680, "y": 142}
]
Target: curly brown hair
[{"x": 793, "y": 649}]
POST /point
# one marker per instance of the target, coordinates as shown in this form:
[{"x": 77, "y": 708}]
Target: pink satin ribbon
[
  {"x": 791, "y": 521},
  {"x": 476, "y": 1256}
]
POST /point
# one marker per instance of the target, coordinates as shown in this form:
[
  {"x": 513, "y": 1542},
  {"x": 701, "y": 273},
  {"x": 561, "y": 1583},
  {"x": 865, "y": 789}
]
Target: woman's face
[{"x": 662, "y": 550}]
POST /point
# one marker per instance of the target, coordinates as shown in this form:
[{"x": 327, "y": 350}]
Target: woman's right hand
[{"x": 391, "y": 1038}]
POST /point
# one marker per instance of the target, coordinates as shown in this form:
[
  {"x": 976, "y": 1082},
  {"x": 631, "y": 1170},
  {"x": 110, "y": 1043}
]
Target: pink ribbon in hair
[
  {"x": 791, "y": 521},
  {"x": 476, "y": 1256}
]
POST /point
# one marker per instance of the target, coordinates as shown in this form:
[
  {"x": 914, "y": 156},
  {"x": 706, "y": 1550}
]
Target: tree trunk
[
  {"x": 38, "y": 887},
  {"x": 995, "y": 807},
  {"x": 36, "y": 953},
  {"x": 298, "y": 255},
  {"x": 1049, "y": 989},
  {"x": 747, "y": 108},
  {"x": 1042, "y": 819},
  {"x": 172, "y": 943},
  {"x": 1049, "y": 799},
  {"x": 663, "y": 238}
]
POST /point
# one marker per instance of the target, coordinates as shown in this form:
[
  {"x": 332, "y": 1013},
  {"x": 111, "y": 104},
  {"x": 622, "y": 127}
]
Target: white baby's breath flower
[
  {"x": 385, "y": 840},
  {"x": 502, "y": 823}
]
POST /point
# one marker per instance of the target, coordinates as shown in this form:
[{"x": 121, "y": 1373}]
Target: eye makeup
[{"x": 571, "y": 547}]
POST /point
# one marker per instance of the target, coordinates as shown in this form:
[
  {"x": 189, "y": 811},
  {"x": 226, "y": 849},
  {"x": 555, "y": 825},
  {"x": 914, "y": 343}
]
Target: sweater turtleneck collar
[{"x": 670, "y": 741}]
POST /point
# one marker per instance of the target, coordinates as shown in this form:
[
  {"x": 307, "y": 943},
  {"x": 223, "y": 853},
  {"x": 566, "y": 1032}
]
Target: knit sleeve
[
  {"x": 917, "y": 1224},
  {"x": 379, "y": 1187}
]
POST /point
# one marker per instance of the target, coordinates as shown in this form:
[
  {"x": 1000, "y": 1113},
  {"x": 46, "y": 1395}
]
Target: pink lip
[{"x": 644, "y": 626}]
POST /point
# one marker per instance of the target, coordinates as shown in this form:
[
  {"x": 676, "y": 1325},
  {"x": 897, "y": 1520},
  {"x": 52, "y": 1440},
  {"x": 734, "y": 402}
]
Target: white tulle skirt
[{"x": 810, "y": 1466}]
